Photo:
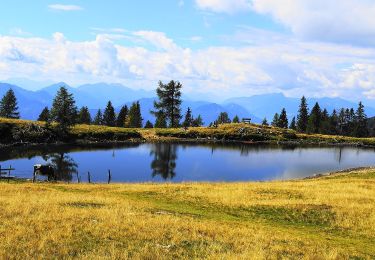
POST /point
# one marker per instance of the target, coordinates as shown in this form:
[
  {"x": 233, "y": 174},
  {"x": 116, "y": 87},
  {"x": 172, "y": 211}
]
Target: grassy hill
[{"x": 331, "y": 217}]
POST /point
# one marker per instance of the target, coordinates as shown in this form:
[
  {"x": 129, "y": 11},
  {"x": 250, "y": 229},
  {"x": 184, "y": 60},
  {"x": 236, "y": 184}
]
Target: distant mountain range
[{"x": 96, "y": 96}]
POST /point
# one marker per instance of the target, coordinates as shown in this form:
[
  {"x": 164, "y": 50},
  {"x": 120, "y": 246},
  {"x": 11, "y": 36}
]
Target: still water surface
[{"x": 184, "y": 163}]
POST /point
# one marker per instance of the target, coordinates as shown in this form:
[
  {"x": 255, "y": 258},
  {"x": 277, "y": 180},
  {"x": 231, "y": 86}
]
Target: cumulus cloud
[
  {"x": 348, "y": 21},
  {"x": 62, "y": 7},
  {"x": 224, "y": 6},
  {"x": 292, "y": 66}
]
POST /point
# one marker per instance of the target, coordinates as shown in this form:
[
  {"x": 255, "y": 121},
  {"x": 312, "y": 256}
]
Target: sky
[{"x": 216, "y": 48}]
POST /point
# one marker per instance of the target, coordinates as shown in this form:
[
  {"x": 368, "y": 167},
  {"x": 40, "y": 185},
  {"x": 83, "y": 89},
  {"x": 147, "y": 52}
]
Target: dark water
[{"x": 181, "y": 162}]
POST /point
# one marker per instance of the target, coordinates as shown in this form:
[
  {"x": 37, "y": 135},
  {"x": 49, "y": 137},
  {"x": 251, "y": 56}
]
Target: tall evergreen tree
[
  {"x": 197, "y": 121},
  {"x": 84, "y": 116},
  {"x": 98, "y": 120},
  {"x": 109, "y": 116},
  {"x": 223, "y": 118},
  {"x": 303, "y": 116},
  {"x": 188, "y": 118},
  {"x": 8, "y": 105},
  {"x": 161, "y": 121},
  {"x": 44, "y": 115},
  {"x": 333, "y": 123},
  {"x": 236, "y": 119},
  {"x": 169, "y": 102},
  {"x": 360, "y": 129},
  {"x": 342, "y": 122},
  {"x": 293, "y": 125},
  {"x": 64, "y": 110},
  {"x": 134, "y": 119},
  {"x": 122, "y": 115},
  {"x": 283, "y": 119},
  {"x": 325, "y": 122},
  {"x": 275, "y": 120},
  {"x": 265, "y": 122},
  {"x": 149, "y": 124},
  {"x": 314, "y": 119}
]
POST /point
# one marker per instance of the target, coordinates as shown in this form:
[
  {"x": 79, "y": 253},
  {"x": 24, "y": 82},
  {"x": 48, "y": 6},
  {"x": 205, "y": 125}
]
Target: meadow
[{"x": 330, "y": 217}]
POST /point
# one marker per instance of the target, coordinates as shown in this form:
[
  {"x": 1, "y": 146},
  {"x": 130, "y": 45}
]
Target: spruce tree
[
  {"x": 122, "y": 115},
  {"x": 84, "y": 116},
  {"x": 169, "y": 102},
  {"x": 361, "y": 129},
  {"x": 161, "y": 121},
  {"x": 64, "y": 110},
  {"x": 8, "y": 105},
  {"x": 314, "y": 119},
  {"x": 44, "y": 115},
  {"x": 188, "y": 118},
  {"x": 149, "y": 124},
  {"x": 303, "y": 116},
  {"x": 134, "y": 119},
  {"x": 283, "y": 119},
  {"x": 325, "y": 122},
  {"x": 275, "y": 120},
  {"x": 265, "y": 122},
  {"x": 197, "y": 121},
  {"x": 342, "y": 122},
  {"x": 293, "y": 124},
  {"x": 236, "y": 119},
  {"x": 98, "y": 120},
  {"x": 333, "y": 123},
  {"x": 109, "y": 116},
  {"x": 223, "y": 118}
]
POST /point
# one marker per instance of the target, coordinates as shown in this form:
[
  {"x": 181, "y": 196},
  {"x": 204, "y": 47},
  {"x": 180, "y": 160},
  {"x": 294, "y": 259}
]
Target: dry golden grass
[{"x": 327, "y": 218}]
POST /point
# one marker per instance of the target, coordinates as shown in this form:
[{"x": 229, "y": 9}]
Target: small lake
[{"x": 162, "y": 162}]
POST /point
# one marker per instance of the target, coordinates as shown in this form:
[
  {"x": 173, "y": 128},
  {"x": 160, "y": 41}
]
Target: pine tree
[
  {"x": 325, "y": 122},
  {"x": 223, "y": 118},
  {"x": 109, "y": 116},
  {"x": 44, "y": 115},
  {"x": 283, "y": 119},
  {"x": 98, "y": 120},
  {"x": 275, "y": 120},
  {"x": 342, "y": 122},
  {"x": 293, "y": 124},
  {"x": 314, "y": 119},
  {"x": 188, "y": 118},
  {"x": 134, "y": 119},
  {"x": 265, "y": 122},
  {"x": 122, "y": 115},
  {"x": 64, "y": 110},
  {"x": 303, "y": 116},
  {"x": 160, "y": 122},
  {"x": 236, "y": 119},
  {"x": 149, "y": 124},
  {"x": 361, "y": 129},
  {"x": 8, "y": 105},
  {"x": 84, "y": 116},
  {"x": 169, "y": 102},
  {"x": 197, "y": 121},
  {"x": 333, "y": 123}
]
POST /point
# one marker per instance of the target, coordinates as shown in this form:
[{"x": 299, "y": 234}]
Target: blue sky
[{"x": 216, "y": 48}]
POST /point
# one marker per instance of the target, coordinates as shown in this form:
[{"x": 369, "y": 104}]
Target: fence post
[
  {"x": 109, "y": 176},
  {"x": 89, "y": 177}
]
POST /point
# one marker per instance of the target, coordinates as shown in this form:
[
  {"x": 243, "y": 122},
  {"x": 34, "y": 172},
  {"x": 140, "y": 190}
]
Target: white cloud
[
  {"x": 224, "y": 6},
  {"x": 61, "y": 7},
  {"x": 292, "y": 66},
  {"x": 345, "y": 21}
]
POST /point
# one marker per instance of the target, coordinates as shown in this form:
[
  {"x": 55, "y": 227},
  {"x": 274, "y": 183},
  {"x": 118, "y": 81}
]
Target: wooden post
[
  {"x": 89, "y": 177},
  {"x": 77, "y": 177},
  {"x": 109, "y": 176}
]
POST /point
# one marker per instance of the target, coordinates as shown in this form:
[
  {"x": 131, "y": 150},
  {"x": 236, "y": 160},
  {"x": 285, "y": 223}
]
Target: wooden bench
[{"x": 246, "y": 120}]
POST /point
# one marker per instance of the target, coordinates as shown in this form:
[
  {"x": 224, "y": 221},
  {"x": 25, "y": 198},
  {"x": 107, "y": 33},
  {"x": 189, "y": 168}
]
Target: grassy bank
[
  {"x": 16, "y": 131},
  {"x": 331, "y": 217}
]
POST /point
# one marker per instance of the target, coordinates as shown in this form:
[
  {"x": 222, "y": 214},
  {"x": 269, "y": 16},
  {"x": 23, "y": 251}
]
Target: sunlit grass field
[{"x": 331, "y": 217}]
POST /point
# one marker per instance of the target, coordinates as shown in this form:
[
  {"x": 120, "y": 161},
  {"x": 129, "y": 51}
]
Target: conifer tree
[
  {"x": 223, "y": 118},
  {"x": 325, "y": 122},
  {"x": 293, "y": 124},
  {"x": 98, "y": 120},
  {"x": 197, "y": 121},
  {"x": 314, "y": 119},
  {"x": 265, "y": 122},
  {"x": 169, "y": 102},
  {"x": 333, "y": 123},
  {"x": 161, "y": 121},
  {"x": 44, "y": 115},
  {"x": 342, "y": 122},
  {"x": 275, "y": 120},
  {"x": 303, "y": 116},
  {"x": 8, "y": 105},
  {"x": 236, "y": 119},
  {"x": 283, "y": 119},
  {"x": 134, "y": 119},
  {"x": 84, "y": 116},
  {"x": 361, "y": 129},
  {"x": 109, "y": 116},
  {"x": 188, "y": 118},
  {"x": 149, "y": 124},
  {"x": 122, "y": 115},
  {"x": 64, "y": 110}
]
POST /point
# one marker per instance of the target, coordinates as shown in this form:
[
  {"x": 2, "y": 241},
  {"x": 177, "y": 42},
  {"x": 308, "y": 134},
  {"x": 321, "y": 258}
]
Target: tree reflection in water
[
  {"x": 164, "y": 162},
  {"x": 64, "y": 166}
]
